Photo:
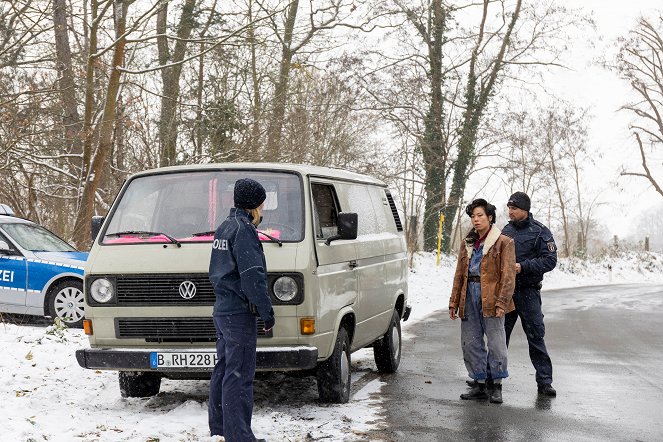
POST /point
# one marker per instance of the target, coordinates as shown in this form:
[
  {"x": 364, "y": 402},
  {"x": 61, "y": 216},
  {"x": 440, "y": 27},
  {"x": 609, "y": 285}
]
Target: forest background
[{"x": 444, "y": 100}]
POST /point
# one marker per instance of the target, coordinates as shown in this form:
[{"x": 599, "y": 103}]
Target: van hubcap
[{"x": 69, "y": 304}]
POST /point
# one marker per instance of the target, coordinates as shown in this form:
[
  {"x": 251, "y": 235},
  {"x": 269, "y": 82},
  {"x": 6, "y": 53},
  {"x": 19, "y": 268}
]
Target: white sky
[{"x": 587, "y": 84}]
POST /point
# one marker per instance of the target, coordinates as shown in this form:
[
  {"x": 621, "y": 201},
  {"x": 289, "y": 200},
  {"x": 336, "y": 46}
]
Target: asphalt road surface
[{"x": 606, "y": 344}]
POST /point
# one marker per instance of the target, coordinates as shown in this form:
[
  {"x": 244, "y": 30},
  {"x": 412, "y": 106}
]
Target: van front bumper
[{"x": 267, "y": 359}]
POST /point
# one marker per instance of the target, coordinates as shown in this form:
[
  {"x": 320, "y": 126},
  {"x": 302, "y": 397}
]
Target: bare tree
[
  {"x": 171, "y": 63},
  {"x": 640, "y": 62},
  {"x": 81, "y": 235}
]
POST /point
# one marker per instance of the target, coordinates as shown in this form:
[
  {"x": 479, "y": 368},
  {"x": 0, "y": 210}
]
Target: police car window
[
  {"x": 36, "y": 238},
  {"x": 189, "y": 206},
  {"x": 9, "y": 243}
]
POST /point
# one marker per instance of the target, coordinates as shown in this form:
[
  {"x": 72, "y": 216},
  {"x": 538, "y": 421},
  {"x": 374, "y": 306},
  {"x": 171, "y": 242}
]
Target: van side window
[{"x": 325, "y": 210}]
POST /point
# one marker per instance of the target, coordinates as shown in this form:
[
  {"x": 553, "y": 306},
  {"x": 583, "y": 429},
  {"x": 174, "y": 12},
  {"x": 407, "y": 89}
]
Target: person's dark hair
[{"x": 490, "y": 210}]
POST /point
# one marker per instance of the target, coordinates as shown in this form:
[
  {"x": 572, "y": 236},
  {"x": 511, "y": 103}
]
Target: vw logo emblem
[{"x": 187, "y": 290}]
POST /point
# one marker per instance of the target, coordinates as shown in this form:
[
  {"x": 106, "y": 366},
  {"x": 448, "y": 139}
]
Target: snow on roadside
[{"x": 46, "y": 396}]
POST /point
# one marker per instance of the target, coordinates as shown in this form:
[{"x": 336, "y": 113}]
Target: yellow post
[{"x": 439, "y": 239}]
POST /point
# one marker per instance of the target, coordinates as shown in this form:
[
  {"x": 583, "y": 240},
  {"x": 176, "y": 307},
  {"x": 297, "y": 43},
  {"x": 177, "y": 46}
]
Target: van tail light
[
  {"x": 307, "y": 326},
  {"x": 87, "y": 326}
]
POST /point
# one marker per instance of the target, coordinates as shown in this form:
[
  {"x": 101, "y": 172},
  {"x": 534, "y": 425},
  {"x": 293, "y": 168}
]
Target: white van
[{"x": 336, "y": 263}]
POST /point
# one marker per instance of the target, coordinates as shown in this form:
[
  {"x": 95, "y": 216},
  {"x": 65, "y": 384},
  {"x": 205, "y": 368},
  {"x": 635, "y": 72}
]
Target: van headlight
[
  {"x": 285, "y": 288},
  {"x": 102, "y": 290}
]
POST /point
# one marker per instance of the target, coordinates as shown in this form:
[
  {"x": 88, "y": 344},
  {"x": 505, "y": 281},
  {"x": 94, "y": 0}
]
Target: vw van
[
  {"x": 40, "y": 274},
  {"x": 336, "y": 264}
]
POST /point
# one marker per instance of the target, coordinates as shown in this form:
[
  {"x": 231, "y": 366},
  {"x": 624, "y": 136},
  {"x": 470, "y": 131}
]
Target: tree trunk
[
  {"x": 170, "y": 76},
  {"x": 254, "y": 143},
  {"x": 82, "y": 225},
  {"x": 478, "y": 95},
  {"x": 274, "y": 132},
  {"x": 71, "y": 120},
  {"x": 433, "y": 145}
]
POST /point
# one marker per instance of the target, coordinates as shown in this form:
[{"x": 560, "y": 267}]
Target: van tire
[
  {"x": 334, "y": 373},
  {"x": 387, "y": 350},
  {"x": 64, "y": 298},
  {"x": 137, "y": 384}
]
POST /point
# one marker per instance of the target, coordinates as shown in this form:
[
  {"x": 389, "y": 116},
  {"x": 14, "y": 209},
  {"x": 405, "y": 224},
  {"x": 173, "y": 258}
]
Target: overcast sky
[{"x": 588, "y": 84}]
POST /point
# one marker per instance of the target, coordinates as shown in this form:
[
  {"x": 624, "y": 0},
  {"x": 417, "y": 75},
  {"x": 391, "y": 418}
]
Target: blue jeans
[
  {"x": 528, "y": 308},
  {"x": 482, "y": 362},
  {"x": 231, "y": 386}
]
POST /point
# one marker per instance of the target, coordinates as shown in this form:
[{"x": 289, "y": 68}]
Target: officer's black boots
[
  {"x": 496, "y": 394},
  {"x": 476, "y": 393},
  {"x": 547, "y": 390}
]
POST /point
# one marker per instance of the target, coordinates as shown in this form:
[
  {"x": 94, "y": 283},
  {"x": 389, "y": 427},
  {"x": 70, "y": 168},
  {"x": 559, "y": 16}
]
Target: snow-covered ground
[{"x": 46, "y": 396}]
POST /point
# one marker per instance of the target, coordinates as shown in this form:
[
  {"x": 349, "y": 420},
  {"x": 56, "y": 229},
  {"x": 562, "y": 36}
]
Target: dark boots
[
  {"x": 477, "y": 392},
  {"x": 481, "y": 391},
  {"x": 496, "y": 394},
  {"x": 547, "y": 390}
]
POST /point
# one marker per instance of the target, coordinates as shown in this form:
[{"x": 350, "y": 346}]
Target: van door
[
  {"x": 13, "y": 277},
  {"x": 374, "y": 303},
  {"x": 337, "y": 277}
]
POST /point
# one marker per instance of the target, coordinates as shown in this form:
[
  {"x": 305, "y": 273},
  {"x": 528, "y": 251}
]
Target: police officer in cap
[
  {"x": 238, "y": 274},
  {"x": 536, "y": 254}
]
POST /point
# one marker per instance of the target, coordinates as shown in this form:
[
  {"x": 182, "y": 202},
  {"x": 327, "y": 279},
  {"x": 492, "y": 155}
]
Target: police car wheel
[
  {"x": 66, "y": 301},
  {"x": 387, "y": 351},
  {"x": 334, "y": 373}
]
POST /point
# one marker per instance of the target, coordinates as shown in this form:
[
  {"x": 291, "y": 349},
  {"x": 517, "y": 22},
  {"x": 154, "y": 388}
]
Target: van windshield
[{"x": 189, "y": 206}]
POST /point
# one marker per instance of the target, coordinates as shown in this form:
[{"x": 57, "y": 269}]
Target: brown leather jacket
[{"x": 498, "y": 275}]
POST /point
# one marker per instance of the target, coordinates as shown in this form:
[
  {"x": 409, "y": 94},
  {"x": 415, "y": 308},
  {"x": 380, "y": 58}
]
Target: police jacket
[
  {"x": 536, "y": 251},
  {"x": 237, "y": 268}
]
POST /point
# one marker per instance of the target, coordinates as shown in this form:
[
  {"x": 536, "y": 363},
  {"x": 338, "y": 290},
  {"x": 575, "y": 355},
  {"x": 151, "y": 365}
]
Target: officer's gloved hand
[{"x": 269, "y": 323}]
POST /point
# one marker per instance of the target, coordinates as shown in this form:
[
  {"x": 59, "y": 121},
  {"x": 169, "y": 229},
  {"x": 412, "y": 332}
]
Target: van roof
[{"x": 306, "y": 170}]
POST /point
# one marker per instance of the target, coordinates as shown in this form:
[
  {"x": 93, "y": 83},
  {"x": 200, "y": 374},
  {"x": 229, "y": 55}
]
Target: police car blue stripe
[{"x": 41, "y": 261}]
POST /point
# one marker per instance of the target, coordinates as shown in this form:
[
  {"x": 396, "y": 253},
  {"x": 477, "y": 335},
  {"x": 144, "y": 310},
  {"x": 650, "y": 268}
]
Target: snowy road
[{"x": 606, "y": 343}]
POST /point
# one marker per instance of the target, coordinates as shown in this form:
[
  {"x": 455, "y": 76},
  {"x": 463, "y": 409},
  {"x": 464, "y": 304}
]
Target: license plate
[{"x": 183, "y": 360}]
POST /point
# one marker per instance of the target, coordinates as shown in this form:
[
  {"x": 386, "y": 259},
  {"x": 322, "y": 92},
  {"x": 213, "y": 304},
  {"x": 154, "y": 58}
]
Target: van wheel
[
  {"x": 387, "y": 350},
  {"x": 137, "y": 384},
  {"x": 334, "y": 373},
  {"x": 66, "y": 301}
]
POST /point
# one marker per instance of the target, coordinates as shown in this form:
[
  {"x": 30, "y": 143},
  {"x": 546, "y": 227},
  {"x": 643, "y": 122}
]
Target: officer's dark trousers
[
  {"x": 231, "y": 386},
  {"x": 528, "y": 308}
]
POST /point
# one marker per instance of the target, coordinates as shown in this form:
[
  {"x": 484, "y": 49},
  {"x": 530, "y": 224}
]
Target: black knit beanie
[
  {"x": 249, "y": 193},
  {"x": 520, "y": 200}
]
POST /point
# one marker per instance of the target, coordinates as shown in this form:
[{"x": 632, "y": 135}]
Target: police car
[{"x": 40, "y": 274}]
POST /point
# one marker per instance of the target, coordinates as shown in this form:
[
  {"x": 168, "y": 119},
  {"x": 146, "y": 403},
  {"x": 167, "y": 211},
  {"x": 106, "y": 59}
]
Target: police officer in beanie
[
  {"x": 238, "y": 274},
  {"x": 536, "y": 254}
]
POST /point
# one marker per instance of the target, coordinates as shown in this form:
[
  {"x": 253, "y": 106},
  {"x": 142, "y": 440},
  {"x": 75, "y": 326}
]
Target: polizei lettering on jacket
[{"x": 220, "y": 244}]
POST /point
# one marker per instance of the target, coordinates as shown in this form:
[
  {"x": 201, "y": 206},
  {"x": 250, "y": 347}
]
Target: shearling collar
[{"x": 488, "y": 243}]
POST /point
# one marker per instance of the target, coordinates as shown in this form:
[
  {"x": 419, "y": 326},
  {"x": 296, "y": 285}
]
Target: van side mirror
[
  {"x": 95, "y": 226},
  {"x": 347, "y": 227}
]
